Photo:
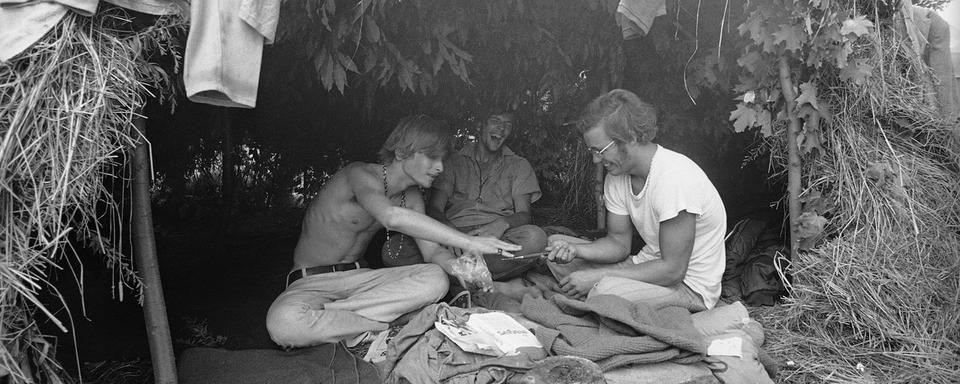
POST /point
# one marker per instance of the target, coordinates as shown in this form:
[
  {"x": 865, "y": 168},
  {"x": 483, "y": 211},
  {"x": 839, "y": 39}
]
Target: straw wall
[
  {"x": 66, "y": 110},
  {"x": 879, "y": 300}
]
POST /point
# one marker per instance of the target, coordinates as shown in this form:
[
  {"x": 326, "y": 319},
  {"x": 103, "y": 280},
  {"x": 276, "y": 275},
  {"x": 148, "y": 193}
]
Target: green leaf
[
  {"x": 789, "y": 36},
  {"x": 841, "y": 53},
  {"x": 808, "y": 95},
  {"x": 809, "y": 140},
  {"x": 814, "y": 202},
  {"x": 765, "y": 123},
  {"x": 750, "y": 61},
  {"x": 339, "y": 77},
  {"x": 753, "y": 26},
  {"x": 858, "y": 25},
  {"x": 371, "y": 31},
  {"x": 326, "y": 69},
  {"x": 347, "y": 62},
  {"x": 743, "y": 117},
  {"x": 809, "y": 228},
  {"x": 857, "y": 73},
  {"x": 369, "y": 60}
]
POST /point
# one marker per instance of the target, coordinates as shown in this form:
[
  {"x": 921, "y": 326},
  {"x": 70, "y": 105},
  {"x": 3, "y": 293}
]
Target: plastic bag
[{"x": 472, "y": 270}]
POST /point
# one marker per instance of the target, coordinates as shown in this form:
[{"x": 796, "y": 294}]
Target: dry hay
[
  {"x": 66, "y": 111},
  {"x": 879, "y": 300}
]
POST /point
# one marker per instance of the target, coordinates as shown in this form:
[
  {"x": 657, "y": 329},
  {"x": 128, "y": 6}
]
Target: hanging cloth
[
  {"x": 930, "y": 39},
  {"x": 225, "y": 49},
  {"x": 24, "y": 22},
  {"x": 636, "y": 16}
]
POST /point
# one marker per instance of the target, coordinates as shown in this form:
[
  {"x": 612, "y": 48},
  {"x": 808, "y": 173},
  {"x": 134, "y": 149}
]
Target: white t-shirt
[{"x": 675, "y": 183}]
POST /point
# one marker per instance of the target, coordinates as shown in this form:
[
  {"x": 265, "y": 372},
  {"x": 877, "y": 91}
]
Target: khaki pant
[{"x": 334, "y": 306}]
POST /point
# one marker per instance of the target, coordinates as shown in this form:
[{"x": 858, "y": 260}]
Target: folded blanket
[
  {"x": 614, "y": 332},
  {"x": 327, "y": 363}
]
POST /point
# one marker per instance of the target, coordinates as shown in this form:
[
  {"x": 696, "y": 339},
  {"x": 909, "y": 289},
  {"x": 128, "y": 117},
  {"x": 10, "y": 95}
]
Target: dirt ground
[{"x": 220, "y": 273}]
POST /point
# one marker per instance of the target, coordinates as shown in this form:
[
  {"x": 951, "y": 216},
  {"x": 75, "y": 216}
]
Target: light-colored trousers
[
  {"x": 632, "y": 290},
  {"x": 330, "y": 307}
]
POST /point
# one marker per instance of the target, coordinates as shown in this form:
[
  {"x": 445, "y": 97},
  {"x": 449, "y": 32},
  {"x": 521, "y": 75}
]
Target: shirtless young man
[{"x": 331, "y": 295}]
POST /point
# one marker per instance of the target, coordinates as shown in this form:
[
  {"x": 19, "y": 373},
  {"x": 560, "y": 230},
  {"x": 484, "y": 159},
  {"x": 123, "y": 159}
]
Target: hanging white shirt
[{"x": 225, "y": 49}]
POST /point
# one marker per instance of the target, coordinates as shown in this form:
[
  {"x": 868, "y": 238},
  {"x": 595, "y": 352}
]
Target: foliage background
[{"x": 342, "y": 73}]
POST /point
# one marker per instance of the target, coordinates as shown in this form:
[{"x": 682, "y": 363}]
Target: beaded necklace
[{"x": 403, "y": 203}]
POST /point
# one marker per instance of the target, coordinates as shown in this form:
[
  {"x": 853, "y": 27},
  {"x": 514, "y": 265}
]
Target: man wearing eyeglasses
[
  {"x": 665, "y": 196},
  {"x": 486, "y": 190}
]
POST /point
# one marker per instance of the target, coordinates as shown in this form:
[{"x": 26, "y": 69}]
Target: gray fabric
[{"x": 614, "y": 332}]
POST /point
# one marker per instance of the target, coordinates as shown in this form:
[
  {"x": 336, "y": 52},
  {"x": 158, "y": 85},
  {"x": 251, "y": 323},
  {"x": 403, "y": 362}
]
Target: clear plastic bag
[{"x": 472, "y": 270}]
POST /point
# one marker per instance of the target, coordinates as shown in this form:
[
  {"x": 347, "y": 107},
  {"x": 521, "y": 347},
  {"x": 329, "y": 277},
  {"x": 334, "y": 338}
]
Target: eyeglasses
[{"x": 599, "y": 152}]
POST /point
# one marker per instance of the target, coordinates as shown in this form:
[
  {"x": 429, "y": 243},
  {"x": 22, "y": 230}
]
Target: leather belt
[{"x": 303, "y": 272}]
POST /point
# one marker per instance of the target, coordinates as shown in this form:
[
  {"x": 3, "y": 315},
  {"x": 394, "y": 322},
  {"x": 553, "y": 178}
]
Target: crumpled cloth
[
  {"x": 636, "y": 16},
  {"x": 614, "y": 332},
  {"x": 420, "y": 354},
  {"x": 24, "y": 22}
]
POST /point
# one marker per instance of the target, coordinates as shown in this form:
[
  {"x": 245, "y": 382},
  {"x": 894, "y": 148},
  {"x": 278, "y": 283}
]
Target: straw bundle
[
  {"x": 66, "y": 111},
  {"x": 880, "y": 300}
]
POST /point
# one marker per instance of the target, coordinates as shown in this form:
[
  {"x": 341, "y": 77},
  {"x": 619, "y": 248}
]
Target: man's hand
[
  {"x": 492, "y": 245},
  {"x": 577, "y": 284},
  {"x": 561, "y": 251},
  {"x": 493, "y": 229}
]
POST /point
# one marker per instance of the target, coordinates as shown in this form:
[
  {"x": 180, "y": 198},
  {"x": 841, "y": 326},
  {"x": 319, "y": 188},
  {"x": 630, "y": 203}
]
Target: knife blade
[{"x": 529, "y": 256}]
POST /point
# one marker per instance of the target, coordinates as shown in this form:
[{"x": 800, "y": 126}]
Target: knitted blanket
[{"x": 614, "y": 332}]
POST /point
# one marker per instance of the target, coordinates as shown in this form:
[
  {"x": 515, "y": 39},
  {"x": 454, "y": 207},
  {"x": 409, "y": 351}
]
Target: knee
[
  {"x": 531, "y": 237},
  {"x": 284, "y": 323},
  {"x": 605, "y": 286},
  {"x": 433, "y": 283},
  {"x": 617, "y": 286}
]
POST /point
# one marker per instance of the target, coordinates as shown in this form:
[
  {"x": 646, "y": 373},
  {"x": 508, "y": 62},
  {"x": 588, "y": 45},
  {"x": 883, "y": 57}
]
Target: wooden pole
[
  {"x": 793, "y": 154},
  {"x": 145, "y": 255}
]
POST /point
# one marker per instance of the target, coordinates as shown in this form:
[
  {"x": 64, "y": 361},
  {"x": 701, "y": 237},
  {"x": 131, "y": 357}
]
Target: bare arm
[
  {"x": 431, "y": 251},
  {"x": 612, "y": 248},
  {"x": 369, "y": 191},
  {"x": 676, "y": 246}
]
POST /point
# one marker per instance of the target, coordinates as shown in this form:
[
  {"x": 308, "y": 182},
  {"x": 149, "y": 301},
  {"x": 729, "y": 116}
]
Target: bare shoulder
[
  {"x": 361, "y": 174},
  {"x": 363, "y": 179}
]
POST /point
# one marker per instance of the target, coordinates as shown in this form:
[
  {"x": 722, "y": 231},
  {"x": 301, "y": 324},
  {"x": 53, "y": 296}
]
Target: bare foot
[{"x": 515, "y": 289}]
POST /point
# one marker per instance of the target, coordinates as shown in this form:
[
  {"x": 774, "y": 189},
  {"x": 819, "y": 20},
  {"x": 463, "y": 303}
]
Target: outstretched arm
[{"x": 368, "y": 189}]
